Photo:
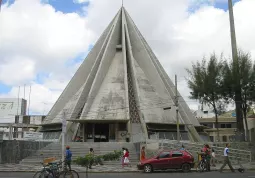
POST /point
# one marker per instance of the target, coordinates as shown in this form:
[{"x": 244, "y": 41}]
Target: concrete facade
[
  {"x": 120, "y": 81},
  {"x": 20, "y": 124},
  {"x": 10, "y": 107}
]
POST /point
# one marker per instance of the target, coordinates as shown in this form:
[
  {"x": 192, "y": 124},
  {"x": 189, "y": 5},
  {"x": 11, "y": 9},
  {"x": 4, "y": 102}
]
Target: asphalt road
[{"x": 142, "y": 175}]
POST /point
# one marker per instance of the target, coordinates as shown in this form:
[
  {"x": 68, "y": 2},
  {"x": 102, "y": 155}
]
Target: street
[{"x": 142, "y": 175}]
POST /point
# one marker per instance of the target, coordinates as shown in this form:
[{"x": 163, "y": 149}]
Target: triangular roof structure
[{"x": 121, "y": 80}]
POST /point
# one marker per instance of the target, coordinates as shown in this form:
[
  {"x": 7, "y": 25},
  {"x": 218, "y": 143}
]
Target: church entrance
[{"x": 101, "y": 133}]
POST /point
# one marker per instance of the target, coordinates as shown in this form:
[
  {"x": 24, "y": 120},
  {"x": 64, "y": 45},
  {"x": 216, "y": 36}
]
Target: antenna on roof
[{"x": 122, "y": 3}]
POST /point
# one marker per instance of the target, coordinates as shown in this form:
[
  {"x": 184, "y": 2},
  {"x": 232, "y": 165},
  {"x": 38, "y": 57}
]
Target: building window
[
  {"x": 225, "y": 126},
  {"x": 211, "y": 139},
  {"x": 205, "y": 112},
  {"x": 224, "y": 138},
  {"x": 228, "y": 125},
  {"x": 122, "y": 127}
]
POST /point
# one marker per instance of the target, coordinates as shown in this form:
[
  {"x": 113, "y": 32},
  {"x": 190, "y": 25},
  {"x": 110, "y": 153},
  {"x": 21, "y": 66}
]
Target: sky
[{"x": 43, "y": 42}]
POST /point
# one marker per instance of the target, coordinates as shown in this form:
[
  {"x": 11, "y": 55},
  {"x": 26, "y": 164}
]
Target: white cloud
[
  {"x": 81, "y": 1},
  {"x": 48, "y": 39},
  {"x": 42, "y": 98},
  {"x": 19, "y": 70}
]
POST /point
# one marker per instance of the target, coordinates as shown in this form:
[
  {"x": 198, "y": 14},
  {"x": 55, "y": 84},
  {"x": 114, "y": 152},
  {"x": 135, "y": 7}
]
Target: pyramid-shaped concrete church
[{"x": 119, "y": 92}]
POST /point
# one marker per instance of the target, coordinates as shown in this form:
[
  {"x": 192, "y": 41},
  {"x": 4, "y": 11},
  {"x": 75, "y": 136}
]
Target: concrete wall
[
  {"x": 13, "y": 151},
  {"x": 11, "y": 107}
]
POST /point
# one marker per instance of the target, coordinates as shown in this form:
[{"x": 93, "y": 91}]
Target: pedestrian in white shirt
[
  {"x": 213, "y": 159},
  {"x": 226, "y": 159}
]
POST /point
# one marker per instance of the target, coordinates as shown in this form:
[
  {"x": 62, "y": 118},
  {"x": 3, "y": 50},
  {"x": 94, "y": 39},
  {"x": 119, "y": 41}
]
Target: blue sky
[{"x": 68, "y": 6}]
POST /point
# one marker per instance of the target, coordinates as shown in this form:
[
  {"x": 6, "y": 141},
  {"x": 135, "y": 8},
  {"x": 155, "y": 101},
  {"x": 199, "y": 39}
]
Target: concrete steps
[{"x": 81, "y": 149}]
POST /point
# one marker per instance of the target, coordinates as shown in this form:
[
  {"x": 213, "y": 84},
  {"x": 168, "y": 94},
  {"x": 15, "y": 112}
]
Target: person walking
[
  {"x": 91, "y": 153},
  {"x": 68, "y": 158},
  {"x": 122, "y": 158},
  {"x": 142, "y": 154},
  {"x": 207, "y": 156},
  {"x": 226, "y": 159},
  {"x": 126, "y": 158},
  {"x": 213, "y": 158}
]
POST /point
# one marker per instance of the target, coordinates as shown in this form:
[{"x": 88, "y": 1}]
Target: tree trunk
[
  {"x": 216, "y": 122},
  {"x": 239, "y": 116},
  {"x": 246, "y": 123}
]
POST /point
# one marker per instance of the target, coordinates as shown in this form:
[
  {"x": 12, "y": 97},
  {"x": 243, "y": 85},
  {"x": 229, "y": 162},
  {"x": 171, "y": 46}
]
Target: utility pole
[
  {"x": 238, "y": 98},
  {"x": 63, "y": 136},
  {"x": 177, "y": 110},
  {"x": 232, "y": 30}
]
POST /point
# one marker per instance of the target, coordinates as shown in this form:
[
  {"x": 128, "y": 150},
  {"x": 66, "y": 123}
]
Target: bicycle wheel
[
  {"x": 71, "y": 174},
  {"x": 61, "y": 174},
  {"x": 43, "y": 174},
  {"x": 37, "y": 174},
  {"x": 201, "y": 166}
]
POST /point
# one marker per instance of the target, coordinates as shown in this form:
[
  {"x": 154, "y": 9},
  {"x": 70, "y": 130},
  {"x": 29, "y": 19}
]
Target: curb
[
  {"x": 95, "y": 172},
  {"x": 98, "y": 172}
]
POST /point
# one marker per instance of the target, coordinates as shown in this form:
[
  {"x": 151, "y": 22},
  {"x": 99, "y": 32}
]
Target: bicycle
[
  {"x": 44, "y": 173},
  {"x": 53, "y": 170},
  {"x": 66, "y": 172},
  {"x": 202, "y": 165}
]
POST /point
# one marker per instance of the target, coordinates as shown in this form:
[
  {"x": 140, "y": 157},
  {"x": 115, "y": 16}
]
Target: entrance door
[{"x": 101, "y": 133}]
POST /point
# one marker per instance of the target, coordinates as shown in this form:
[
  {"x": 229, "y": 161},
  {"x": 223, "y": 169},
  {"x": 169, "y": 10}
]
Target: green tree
[
  {"x": 238, "y": 85},
  {"x": 205, "y": 83}
]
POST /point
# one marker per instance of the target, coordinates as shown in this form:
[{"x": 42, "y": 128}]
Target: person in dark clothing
[
  {"x": 208, "y": 157},
  {"x": 91, "y": 153},
  {"x": 68, "y": 158}
]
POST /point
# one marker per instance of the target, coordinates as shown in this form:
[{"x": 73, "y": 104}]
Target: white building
[
  {"x": 13, "y": 119},
  {"x": 15, "y": 130},
  {"x": 204, "y": 111},
  {"x": 9, "y": 107}
]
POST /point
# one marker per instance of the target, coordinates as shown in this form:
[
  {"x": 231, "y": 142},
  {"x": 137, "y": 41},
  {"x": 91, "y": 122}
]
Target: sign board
[
  {"x": 12, "y": 107},
  {"x": 33, "y": 136},
  {"x": 64, "y": 125},
  {"x": 233, "y": 114}
]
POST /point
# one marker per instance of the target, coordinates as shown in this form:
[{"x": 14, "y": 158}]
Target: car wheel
[
  {"x": 148, "y": 168},
  {"x": 186, "y": 167}
]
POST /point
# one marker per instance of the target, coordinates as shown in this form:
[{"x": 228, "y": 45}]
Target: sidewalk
[{"x": 97, "y": 169}]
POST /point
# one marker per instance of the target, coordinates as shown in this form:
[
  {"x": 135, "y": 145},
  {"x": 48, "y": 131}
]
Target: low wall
[{"x": 13, "y": 151}]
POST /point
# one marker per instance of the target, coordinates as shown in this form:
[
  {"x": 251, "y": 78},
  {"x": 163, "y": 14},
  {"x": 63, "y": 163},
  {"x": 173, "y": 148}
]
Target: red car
[{"x": 179, "y": 159}]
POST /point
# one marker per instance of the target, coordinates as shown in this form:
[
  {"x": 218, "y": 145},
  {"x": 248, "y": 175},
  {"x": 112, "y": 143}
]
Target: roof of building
[{"x": 100, "y": 89}]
